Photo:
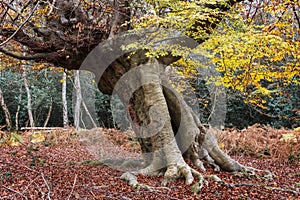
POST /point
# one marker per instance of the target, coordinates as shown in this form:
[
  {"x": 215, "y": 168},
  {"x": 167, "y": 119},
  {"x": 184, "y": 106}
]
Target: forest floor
[{"x": 59, "y": 165}]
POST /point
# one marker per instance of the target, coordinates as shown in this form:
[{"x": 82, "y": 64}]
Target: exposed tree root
[
  {"x": 178, "y": 171},
  {"x": 175, "y": 172},
  {"x": 131, "y": 179},
  {"x": 250, "y": 172}
]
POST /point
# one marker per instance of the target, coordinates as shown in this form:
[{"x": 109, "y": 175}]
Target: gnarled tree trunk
[{"x": 167, "y": 128}]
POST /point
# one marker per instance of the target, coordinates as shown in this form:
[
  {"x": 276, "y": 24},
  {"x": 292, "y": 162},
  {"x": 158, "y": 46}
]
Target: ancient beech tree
[{"x": 63, "y": 33}]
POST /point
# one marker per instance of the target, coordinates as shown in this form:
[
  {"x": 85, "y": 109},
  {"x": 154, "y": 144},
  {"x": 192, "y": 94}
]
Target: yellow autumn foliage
[
  {"x": 37, "y": 137},
  {"x": 249, "y": 51}
]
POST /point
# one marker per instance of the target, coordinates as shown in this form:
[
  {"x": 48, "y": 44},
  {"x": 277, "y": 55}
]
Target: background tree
[
  {"x": 6, "y": 111},
  {"x": 28, "y": 92},
  {"x": 78, "y": 101},
  {"x": 257, "y": 54},
  {"x": 64, "y": 100}
]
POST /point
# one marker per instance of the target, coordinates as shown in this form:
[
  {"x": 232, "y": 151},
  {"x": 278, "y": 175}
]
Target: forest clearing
[{"x": 62, "y": 166}]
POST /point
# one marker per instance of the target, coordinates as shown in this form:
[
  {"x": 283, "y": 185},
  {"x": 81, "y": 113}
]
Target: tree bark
[
  {"x": 83, "y": 118},
  {"x": 49, "y": 112},
  {"x": 64, "y": 101},
  {"x": 166, "y": 151},
  {"x": 89, "y": 114},
  {"x": 6, "y": 111},
  {"x": 78, "y": 97},
  {"x": 17, "y": 113},
  {"x": 29, "y": 104},
  {"x": 18, "y": 108}
]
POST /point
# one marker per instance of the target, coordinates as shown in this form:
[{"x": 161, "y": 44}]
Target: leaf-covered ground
[{"x": 61, "y": 167}]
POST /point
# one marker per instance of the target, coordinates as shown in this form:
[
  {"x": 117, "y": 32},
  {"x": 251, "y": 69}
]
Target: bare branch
[
  {"x": 254, "y": 14},
  {"x": 24, "y": 7},
  {"x": 73, "y": 186},
  {"x": 51, "y": 7},
  {"x": 5, "y": 12},
  {"x": 279, "y": 18},
  {"x": 297, "y": 18},
  {"x": 10, "y": 6},
  {"x": 15, "y": 191},
  {"x": 249, "y": 11},
  {"x": 21, "y": 26},
  {"x": 30, "y": 169}
]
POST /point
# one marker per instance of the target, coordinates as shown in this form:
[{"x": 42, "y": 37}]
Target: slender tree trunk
[
  {"x": 6, "y": 111},
  {"x": 29, "y": 104},
  {"x": 89, "y": 114},
  {"x": 78, "y": 96},
  {"x": 50, "y": 103},
  {"x": 64, "y": 101},
  {"x": 18, "y": 110},
  {"x": 49, "y": 112},
  {"x": 19, "y": 107},
  {"x": 81, "y": 118}
]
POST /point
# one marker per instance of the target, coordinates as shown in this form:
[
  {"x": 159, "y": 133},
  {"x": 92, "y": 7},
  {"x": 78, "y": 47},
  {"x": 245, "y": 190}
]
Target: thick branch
[
  {"x": 36, "y": 57},
  {"x": 296, "y": 16}
]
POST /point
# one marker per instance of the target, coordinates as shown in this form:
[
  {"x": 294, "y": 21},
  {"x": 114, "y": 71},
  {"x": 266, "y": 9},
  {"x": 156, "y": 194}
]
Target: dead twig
[
  {"x": 40, "y": 173},
  {"x": 15, "y": 191},
  {"x": 293, "y": 191},
  {"x": 21, "y": 26},
  {"x": 2, "y": 127},
  {"x": 73, "y": 186},
  {"x": 284, "y": 190}
]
